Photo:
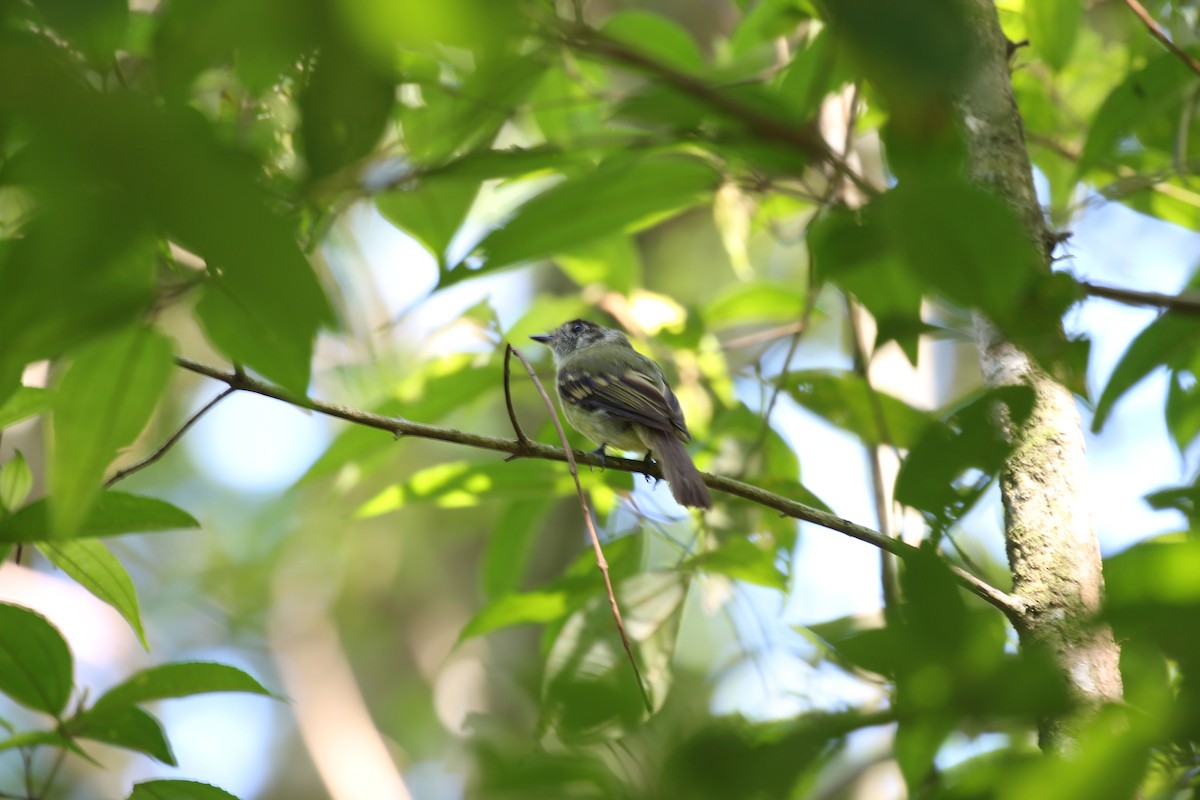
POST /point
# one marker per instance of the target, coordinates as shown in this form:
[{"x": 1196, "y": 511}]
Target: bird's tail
[{"x": 687, "y": 486}]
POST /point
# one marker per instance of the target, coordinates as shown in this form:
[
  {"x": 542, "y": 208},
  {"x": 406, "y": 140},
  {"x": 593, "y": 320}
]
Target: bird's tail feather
[{"x": 687, "y": 485}]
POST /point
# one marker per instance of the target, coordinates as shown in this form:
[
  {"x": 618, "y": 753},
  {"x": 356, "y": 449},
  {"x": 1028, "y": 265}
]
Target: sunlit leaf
[
  {"x": 35, "y": 662},
  {"x": 16, "y": 481},
  {"x": 1053, "y": 26},
  {"x": 182, "y": 679},
  {"x": 113, "y": 513},
  {"x": 96, "y": 569},
  {"x": 26, "y": 402},
  {"x": 846, "y": 400}
]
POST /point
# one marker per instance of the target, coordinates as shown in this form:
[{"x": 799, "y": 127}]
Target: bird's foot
[
  {"x": 649, "y": 478},
  {"x": 599, "y": 453}
]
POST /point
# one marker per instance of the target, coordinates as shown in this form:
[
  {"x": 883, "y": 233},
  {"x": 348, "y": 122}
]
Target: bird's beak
[{"x": 544, "y": 338}]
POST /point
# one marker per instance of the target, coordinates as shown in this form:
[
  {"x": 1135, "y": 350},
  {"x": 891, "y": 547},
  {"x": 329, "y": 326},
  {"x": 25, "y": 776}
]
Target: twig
[
  {"x": 1189, "y": 303},
  {"x": 601, "y": 561},
  {"x": 512, "y": 414},
  {"x": 169, "y": 443},
  {"x": 769, "y": 335},
  {"x": 1011, "y": 605},
  {"x": 1157, "y": 31}
]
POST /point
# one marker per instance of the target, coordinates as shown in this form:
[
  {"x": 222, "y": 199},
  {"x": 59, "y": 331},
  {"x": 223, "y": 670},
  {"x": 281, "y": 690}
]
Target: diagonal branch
[
  {"x": 1012, "y": 606},
  {"x": 1157, "y": 32},
  {"x": 1189, "y": 303}
]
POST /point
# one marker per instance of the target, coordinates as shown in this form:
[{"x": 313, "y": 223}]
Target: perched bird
[{"x": 615, "y": 396}]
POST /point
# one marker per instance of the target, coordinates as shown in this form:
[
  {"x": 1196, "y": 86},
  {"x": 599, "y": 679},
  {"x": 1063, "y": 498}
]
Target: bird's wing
[{"x": 635, "y": 393}]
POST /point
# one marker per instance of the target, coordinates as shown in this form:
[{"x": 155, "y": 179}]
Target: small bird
[{"x": 614, "y": 395}]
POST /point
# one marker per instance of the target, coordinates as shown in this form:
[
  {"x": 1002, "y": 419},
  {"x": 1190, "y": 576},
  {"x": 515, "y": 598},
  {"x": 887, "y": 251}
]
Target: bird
[{"x": 618, "y": 397}]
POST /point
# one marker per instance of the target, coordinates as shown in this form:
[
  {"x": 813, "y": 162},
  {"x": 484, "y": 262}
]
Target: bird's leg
[
  {"x": 599, "y": 453},
  {"x": 648, "y": 461}
]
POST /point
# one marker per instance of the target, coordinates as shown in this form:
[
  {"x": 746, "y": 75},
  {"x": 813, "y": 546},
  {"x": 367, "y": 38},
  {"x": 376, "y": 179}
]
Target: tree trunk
[{"x": 1052, "y": 548}]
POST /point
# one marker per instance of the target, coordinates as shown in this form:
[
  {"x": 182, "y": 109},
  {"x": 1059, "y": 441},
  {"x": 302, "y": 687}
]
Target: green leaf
[
  {"x": 39, "y": 739},
  {"x": 35, "y": 662},
  {"x": 510, "y": 544},
  {"x": 178, "y": 790},
  {"x": 809, "y": 78},
  {"x": 1053, "y": 26},
  {"x": 613, "y": 262},
  {"x": 113, "y": 513},
  {"x": 181, "y": 679},
  {"x": 26, "y": 402},
  {"x": 463, "y": 484},
  {"x": 744, "y": 560},
  {"x": 103, "y": 402},
  {"x": 1182, "y": 411},
  {"x": 589, "y": 691},
  {"x": 760, "y": 302},
  {"x": 620, "y": 196},
  {"x": 128, "y": 727},
  {"x": 520, "y": 608},
  {"x": 1155, "y": 90},
  {"x": 96, "y": 27},
  {"x": 343, "y": 108},
  {"x": 846, "y": 400},
  {"x": 431, "y": 210},
  {"x": 96, "y": 569},
  {"x": 657, "y": 37},
  {"x": 1168, "y": 341},
  {"x": 16, "y": 481}
]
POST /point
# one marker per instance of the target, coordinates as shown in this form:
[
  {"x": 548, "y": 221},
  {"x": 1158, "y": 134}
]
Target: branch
[
  {"x": 1011, "y": 605},
  {"x": 601, "y": 561},
  {"x": 169, "y": 443},
  {"x": 1188, "y": 303},
  {"x": 1157, "y": 31}
]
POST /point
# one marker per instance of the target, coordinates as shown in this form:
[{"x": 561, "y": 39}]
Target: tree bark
[{"x": 1052, "y": 548}]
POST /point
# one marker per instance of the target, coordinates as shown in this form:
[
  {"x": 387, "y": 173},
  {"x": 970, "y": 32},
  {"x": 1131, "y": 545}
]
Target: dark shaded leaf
[
  {"x": 845, "y": 400},
  {"x": 343, "y": 109},
  {"x": 1168, "y": 341},
  {"x": 178, "y": 790}
]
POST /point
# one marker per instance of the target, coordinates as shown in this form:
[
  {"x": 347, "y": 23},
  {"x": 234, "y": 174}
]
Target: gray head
[{"x": 578, "y": 334}]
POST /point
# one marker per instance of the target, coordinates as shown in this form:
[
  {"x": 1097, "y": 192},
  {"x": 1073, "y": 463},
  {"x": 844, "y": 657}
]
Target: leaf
[
  {"x": 16, "y": 481},
  {"x": 92, "y": 566},
  {"x": 96, "y": 27},
  {"x": 128, "y": 727},
  {"x": 759, "y": 302},
  {"x": 113, "y": 513},
  {"x": 614, "y": 262},
  {"x": 39, "y": 739},
  {"x": 845, "y": 400},
  {"x": 619, "y": 196},
  {"x": 26, "y": 402},
  {"x": 589, "y": 691},
  {"x": 1053, "y": 26},
  {"x": 1153, "y": 90},
  {"x": 658, "y": 37},
  {"x": 1182, "y": 411},
  {"x": 181, "y": 679},
  {"x": 510, "y": 544},
  {"x": 178, "y": 790},
  {"x": 463, "y": 484},
  {"x": 1168, "y": 341},
  {"x": 743, "y": 560},
  {"x": 103, "y": 401},
  {"x": 431, "y": 210},
  {"x": 35, "y": 662},
  {"x": 518, "y": 608}
]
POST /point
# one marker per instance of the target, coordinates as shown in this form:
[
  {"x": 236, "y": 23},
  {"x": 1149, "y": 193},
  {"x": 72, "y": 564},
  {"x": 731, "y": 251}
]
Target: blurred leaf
[
  {"x": 620, "y": 196},
  {"x": 1150, "y": 593},
  {"x": 118, "y": 380},
  {"x": 760, "y": 302},
  {"x": 971, "y": 438},
  {"x": 127, "y": 727},
  {"x": 520, "y": 608},
  {"x": 567, "y": 104},
  {"x": 113, "y": 513},
  {"x": 1146, "y": 94},
  {"x": 182, "y": 679},
  {"x": 1168, "y": 341},
  {"x": 462, "y": 484},
  {"x": 845, "y": 400},
  {"x": 178, "y": 790},
  {"x": 1053, "y": 26},
  {"x": 92, "y": 566},
  {"x": 16, "y": 481},
  {"x": 589, "y": 691},
  {"x": 614, "y": 262},
  {"x": 431, "y": 211},
  {"x": 35, "y": 662},
  {"x": 96, "y": 27},
  {"x": 1183, "y": 409},
  {"x": 656, "y": 36},
  {"x": 26, "y": 402},
  {"x": 744, "y": 560},
  {"x": 809, "y": 77},
  {"x": 33, "y": 739},
  {"x": 343, "y": 108},
  {"x": 511, "y": 543}
]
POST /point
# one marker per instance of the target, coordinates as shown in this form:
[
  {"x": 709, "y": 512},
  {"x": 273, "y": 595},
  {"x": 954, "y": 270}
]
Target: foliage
[{"x": 191, "y": 177}]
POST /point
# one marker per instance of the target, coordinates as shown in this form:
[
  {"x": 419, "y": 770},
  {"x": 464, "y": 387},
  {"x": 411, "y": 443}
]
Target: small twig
[
  {"x": 1189, "y": 303},
  {"x": 512, "y": 414},
  {"x": 1157, "y": 32},
  {"x": 169, "y": 443},
  {"x": 601, "y": 562},
  {"x": 1012, "y": 606}
]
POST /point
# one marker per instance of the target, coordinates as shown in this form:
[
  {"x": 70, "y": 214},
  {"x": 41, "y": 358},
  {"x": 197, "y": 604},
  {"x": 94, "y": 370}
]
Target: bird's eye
[{"x": 577, "y": 327}]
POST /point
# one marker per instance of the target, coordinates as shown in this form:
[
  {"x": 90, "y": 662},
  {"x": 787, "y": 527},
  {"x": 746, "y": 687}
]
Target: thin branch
[
  {"x": 601, "y": 561},
  {"x": 1188, "y": 303},
  {"x": 169, "y": 443},
  {"x": 1157, "y": 31},
  {"x": 512, "y": 413},
  {"x": 399, "y": 427}
]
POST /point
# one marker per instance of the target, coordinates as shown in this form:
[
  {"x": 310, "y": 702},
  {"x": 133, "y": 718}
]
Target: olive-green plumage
[{"x": 615, "y": 396}]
